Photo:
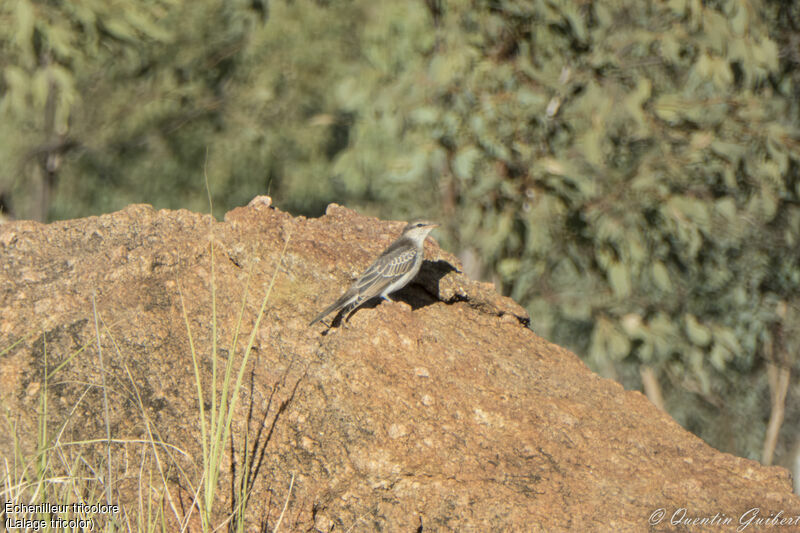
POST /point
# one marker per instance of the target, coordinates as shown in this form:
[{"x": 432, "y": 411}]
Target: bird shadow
[{"x": 421, "y": 292}]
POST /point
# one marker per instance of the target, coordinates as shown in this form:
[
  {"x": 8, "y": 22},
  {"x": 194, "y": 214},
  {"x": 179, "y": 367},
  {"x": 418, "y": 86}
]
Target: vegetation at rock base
[
  {"x": 627, "y": 170},
  {"x": 134, "y": 479}
]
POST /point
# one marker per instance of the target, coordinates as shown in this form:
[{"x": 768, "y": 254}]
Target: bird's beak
[{"x": 433, "y": 227}]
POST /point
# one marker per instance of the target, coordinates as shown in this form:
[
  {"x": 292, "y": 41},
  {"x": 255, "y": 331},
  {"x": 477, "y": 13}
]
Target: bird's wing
[{"x": 392, "y": 265}]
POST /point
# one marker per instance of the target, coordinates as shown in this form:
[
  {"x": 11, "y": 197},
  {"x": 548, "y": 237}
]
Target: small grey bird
[{"x": 390, "y": 272}]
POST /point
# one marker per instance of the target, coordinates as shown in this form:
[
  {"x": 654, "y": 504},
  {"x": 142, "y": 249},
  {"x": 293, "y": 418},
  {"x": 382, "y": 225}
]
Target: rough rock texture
[{"x": 439, "y": 412}]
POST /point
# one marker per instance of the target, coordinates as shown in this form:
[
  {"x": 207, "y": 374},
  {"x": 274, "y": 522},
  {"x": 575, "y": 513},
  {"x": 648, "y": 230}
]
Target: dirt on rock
[{"x": 441, "y": 411}]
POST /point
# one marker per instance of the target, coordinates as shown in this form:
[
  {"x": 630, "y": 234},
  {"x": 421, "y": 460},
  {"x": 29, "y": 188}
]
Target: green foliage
[
  {"x": 144, "y": 88},
  {"x": 50, "y": 54}
]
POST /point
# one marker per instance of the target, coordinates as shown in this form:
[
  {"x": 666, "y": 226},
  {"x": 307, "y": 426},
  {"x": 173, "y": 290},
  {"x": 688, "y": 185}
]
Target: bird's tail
[{"x": 335, "y": 306}]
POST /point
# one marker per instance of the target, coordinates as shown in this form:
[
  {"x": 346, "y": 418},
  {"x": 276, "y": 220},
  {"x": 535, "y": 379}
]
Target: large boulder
[{"x": 441, "y": 411}]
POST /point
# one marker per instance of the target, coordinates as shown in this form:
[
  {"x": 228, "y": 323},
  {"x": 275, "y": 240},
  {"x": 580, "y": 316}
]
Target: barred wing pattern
[{"x": 384, "y": 272}]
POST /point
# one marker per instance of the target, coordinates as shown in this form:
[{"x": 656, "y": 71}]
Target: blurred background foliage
[{"x": 627, "y": 170}]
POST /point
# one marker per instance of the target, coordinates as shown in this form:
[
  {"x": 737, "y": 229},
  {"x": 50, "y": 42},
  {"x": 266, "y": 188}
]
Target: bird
[{"x": 390, "y": 272}]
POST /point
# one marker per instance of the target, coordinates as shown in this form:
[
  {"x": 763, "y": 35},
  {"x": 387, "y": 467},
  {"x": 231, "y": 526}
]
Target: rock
[
  {"x": 264, "y": 201},
  {"x": 445, "y": 414}
]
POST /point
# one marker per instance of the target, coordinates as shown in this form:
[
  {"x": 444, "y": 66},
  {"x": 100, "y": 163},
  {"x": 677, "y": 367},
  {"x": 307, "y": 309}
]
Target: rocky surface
[{"x": 442, "y": 411}]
